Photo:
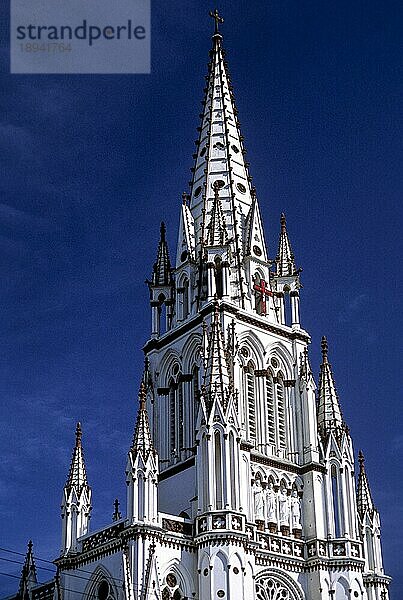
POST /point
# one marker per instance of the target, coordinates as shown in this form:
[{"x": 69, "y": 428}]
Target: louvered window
[
  {"x": 251, "y": 400},
  {"x": 280, "y": 413},
  {"x": 271, "y": 415},
  {"x": 181, "y": 423},
  {"x": 172, "y": 417}
]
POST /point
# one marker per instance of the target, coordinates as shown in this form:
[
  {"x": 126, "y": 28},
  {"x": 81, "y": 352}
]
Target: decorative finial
[
  {"x": 162, "y": 231},
  {"x": 217, "y": 19},
  {"x": 324, "y": 348},
  {"x": 142, "y": 396},
  {"x": 184, "y": 198},
  {"x": 116, "y": 513},
  {"x": 30, "y": 544},
  {"x": 79, "y": 434},
  {"x": 283, "y": 222}
]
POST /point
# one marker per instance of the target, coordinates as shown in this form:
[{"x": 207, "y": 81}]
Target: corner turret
[
  {"x": 76, "y": 504},
  {"x": 161, "y": 288},
  {"x": 142, "y": 469}
]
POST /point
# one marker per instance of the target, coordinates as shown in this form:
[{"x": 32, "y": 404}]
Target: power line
[
  {"x": 36, "y": 558},
  {"x": 120, "y": 581}
]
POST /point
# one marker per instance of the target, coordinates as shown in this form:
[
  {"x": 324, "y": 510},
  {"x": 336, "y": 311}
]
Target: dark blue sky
[{"x": 89, "y": 167}]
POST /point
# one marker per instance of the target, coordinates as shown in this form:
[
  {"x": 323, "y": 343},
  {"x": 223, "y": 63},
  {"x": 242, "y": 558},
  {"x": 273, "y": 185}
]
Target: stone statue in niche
[
  {"x": 295, "y": 511},
  {"x": 284, "y": 507},
  {"x": 259, "y": 501},
  {"x": 271, "y": 504}
]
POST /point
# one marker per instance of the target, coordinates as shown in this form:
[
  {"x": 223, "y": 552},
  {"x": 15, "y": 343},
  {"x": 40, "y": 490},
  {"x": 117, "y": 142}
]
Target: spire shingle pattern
[
  {"x": 217, "y": 381},
  {"x": 77, "y": 477},
  {"x": 142, "y": 439},
  {"x": 330, "y": 417},
  {"x": 285, "y": 257},
  {"x": 364, "y": 497},
  {"x": 162, "y": 272}
]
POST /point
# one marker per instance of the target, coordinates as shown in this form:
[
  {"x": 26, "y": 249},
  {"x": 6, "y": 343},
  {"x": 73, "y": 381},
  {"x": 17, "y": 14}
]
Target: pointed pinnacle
[
  {"x": 283, "y": 222},
  {"x": 364, "y": 496},
  {"x": 324, "y": 347},
  {"x": 285, "y": 256},
  {"x": 77, "y": 473},
  {"x": 142, "y": 396},
  {"x": 162, "y": 231},
  {"x": 79, "y": 434}
]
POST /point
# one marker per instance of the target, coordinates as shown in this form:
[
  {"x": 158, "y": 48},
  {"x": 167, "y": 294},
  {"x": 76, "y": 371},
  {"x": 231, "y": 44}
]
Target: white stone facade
[{"x": 240, "y": 477}]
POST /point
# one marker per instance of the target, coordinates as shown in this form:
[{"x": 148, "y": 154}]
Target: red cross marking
[{"x": 265, "y": 293}]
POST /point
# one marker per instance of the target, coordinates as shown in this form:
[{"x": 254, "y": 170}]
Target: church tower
[
  {"x": 241, "y": 473},
  {"x": 76, "y": 503}
]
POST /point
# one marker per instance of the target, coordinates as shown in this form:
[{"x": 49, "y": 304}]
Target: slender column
[
  {"x": 294, "y": 297},
  {"x": 225, "y": 279},
  {"x": 211, "y": 280},
  {"x": 179, "y": 303},
  {"x": 155, "y": 320},
  {"x": 280, "y": 297}
]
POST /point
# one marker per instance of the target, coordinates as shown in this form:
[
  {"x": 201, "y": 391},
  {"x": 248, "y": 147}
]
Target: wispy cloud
[
  {"x": 353, "y": 307},
  {"x": 11, "y": 216}
]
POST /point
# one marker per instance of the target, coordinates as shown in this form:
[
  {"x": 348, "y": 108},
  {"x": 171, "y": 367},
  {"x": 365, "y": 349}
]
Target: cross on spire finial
[
  {"x": 79, "y": 434},
  {"x": 324, "y": 348},
  {"x": 217, "y": 19}
]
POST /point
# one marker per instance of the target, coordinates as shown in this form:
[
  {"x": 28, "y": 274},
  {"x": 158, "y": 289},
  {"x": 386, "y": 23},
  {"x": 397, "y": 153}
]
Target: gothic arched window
[
  {"x": 271, "y": 589},
  {"x": 172, "y": 590},
  {"x": 277, "y": 586},
  {"x": 250, "y": 391},
  {"x": 176, "y": 414},
  {"x": 104, "y": 591},
  {"x": 195, "y": 392},
  {"x": 162, "y": 314},
  {"x": 271, "y": 413},
  {"x": 233, "y": 469},
  {"x": 218, "y": 276},
  {"x": 280, "y": 412},
  {"x": 172, "y": 417},
  {"x": 218, "y": 471},
  {"x": 186, "y": 307},
  {"x": 276, "y": 409},
  {"x": 180, "y": 414},
  {"x": 335, "y": 500}
]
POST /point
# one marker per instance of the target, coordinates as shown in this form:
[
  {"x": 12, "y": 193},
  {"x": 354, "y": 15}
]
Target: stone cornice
[
  {"x": 283, "y": 465},
  {"x": 241, "y": 315},
  {"x": 178, "y": 468}
]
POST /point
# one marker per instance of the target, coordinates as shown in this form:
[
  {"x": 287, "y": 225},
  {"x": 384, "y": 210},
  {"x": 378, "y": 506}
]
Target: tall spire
[
  {"x": 364, "y": 497},
  {"x": 142, "y": 440},
  {"x": 162, "y": 272},
  {"x": 285, "y": 257},
  {"x": 77, "y": 477},
  {"x": 329, "y": 412},
  {"x": 28, "y": 574},
  {"x": 217, "y": 380},
  {"x": 220, "y": 164}
]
